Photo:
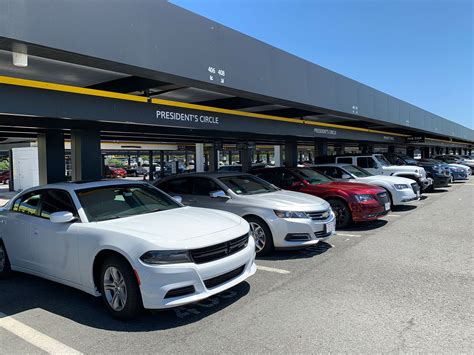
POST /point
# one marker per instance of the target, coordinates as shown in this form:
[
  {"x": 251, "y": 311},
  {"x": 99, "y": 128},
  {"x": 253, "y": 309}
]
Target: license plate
[
  {"x": 330, "y": 227},
  {"x": 387, "y": 206}
]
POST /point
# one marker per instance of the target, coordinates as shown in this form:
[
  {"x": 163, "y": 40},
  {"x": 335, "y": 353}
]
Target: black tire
[
  {"x": 257, "y": 224},
  {"x": 5, "y": 269},
  {"x": 342, "y": 211},
  {"x": 132, "y": 307}
]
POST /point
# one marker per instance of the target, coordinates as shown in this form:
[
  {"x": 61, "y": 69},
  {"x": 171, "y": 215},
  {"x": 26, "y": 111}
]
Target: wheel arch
[{"x": 99, "y": 259}]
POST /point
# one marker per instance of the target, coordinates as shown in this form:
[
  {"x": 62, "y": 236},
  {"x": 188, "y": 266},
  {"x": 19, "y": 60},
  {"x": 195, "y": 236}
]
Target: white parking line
[
  {"x": 34, "y": 337},
  {"x": 393, "y": 215},
  {"x": 348, "y": 235},
  {"x": 271, "y": 269}
]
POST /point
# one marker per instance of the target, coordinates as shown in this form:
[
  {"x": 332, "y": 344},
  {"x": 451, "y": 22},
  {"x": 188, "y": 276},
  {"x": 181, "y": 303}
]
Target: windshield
[
  {"x": 313, "y": 177},
  {"x": 247, "y": 185},
  {"x": 111, "y": 202},
  {"x": 355, "y": 170},
  {"x": 382, "y": 160}
]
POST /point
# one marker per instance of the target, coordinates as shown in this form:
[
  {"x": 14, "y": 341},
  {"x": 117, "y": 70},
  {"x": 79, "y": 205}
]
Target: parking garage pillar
[
  {"x": 86, "y": 158},
  {"x": 246, "y": 158},
  {"x": 51, "y": 160},
  {"x": 277, "y": 155},
  {"x": 391, "y": 149},
  {"x": 291, "y": 154},
  {"x": 199, "y": 158},
  {"x": 214, "y": 157},
  {"x": 321, "y": 148}
]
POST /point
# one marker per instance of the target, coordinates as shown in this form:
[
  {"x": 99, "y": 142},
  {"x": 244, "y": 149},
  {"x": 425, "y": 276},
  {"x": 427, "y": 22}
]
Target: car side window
[
  {"x": 203, "y": 186},
  {"x": 365, "y": 162},
  {"x": 287, "y": 179},
  {"x": 344, "y": 160},
  {"x": 28, "y": 204},
  {"x": 176, "y": 186},
  {"x": 333, "y": 172},
  {"x": 267, "y": 176},
  {"x": 56, "y": 201}
]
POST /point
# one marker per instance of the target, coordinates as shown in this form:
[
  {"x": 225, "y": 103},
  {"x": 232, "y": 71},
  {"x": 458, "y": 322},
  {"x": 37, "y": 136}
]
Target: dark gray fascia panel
[{"x": 177, "y": 44}]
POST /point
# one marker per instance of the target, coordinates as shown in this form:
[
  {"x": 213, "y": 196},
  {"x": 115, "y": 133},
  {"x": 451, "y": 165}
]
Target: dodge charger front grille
[
  {"x": 219, "y": 251},
  {"x": 218, "y": 280},
  {"x": 318, "y": 216}
]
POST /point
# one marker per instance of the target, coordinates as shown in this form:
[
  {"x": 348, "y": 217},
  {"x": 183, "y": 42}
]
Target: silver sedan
[{"x": 279, "y": 219}]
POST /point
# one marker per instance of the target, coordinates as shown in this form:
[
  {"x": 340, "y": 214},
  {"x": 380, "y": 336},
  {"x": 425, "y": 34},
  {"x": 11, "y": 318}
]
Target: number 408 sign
[{"x": 216, "y": 74}]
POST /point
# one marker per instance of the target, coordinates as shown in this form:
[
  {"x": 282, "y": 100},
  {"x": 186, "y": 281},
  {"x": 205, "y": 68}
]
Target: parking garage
[{"x": 77, "y": 98}]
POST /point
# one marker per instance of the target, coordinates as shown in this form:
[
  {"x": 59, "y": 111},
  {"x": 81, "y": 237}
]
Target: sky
[{"x": 420, "y": 51}]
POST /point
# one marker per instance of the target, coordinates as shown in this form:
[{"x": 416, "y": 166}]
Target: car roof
[
  {"x": 339, "y": 165},
  {"x": 86, "y": 184},
  {"x": 216, "y": 174}
]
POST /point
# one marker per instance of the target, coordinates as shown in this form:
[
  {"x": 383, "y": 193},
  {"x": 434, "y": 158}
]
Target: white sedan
[
  {"x": 129, "y": 242},
  {"x": 401, "y": 190}
]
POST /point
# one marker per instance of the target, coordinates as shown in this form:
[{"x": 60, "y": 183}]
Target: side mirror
[
  {"x": 62, "y": 217},
  {"x": 218, "y": 194},
  {"x": 346, "y": 176},
  {"x": 178, "y": 199}
]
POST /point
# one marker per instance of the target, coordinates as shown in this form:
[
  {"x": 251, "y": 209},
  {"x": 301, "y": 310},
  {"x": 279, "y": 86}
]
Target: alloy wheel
[
  {"x": 259, "y": 235},
  {"x": 115, "y": 289}
]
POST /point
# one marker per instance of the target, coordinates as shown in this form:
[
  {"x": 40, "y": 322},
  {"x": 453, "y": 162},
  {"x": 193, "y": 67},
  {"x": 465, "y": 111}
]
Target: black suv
[{"x": 437, "y": 170}]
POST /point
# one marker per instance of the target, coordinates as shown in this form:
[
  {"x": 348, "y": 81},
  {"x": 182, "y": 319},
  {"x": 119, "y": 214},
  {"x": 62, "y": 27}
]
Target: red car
[
  {"x": 5, "y": 176},
  {"x": 351, "y": 202},
  {"x": 113, "y": 173}
]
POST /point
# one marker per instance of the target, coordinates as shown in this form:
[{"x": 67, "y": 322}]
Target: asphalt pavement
[{"x": 401, "y": 284}]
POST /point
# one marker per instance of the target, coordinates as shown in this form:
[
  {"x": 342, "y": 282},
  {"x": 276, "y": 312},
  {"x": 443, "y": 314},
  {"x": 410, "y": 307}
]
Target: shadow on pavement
[
  {"x": 436, "y": 191},
  {"x": 23, "y": 292},
  {"x": 403, "y": 208},
  {"x": 364, "y": 226},
  {"x": 309, "y": 252}
]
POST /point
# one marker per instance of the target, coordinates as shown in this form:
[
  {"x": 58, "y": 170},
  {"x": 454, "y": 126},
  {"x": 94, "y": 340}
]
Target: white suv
[{"x": 377, "y": 164}]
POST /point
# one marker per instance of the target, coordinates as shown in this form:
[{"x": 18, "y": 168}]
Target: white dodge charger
[{"x": 129, "y": 242}]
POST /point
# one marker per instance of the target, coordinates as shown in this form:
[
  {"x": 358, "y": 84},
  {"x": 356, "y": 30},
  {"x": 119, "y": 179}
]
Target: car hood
[
  {"x": 286, "y": 200},
  {"x": 407, "y": 168},
  {"x": 459, "y": 166},
  {"x": 385, "y": 178},
  {"x": 186, "y": 227}
]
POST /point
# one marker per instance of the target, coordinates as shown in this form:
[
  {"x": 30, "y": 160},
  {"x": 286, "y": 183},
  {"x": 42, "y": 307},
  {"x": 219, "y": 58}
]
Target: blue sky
[{"x": 420, "y": 51}]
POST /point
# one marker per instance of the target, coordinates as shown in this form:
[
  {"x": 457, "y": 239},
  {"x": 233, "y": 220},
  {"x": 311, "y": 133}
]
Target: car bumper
[
  {"x": 426, "y": 183},
  {"x": 441, "y": 181},
  {"x": 296, "y": 233},
  {"x": 404, "y": 196},
  {"x": 158, "y": 280},
  {"x": 368, "y": 212}
]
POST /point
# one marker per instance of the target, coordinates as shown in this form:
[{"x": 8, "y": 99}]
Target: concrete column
[
  {"x": 51, "y": 161},
  {"x": 321, "y": 148},
  {"x": 86, "y": 158},
  {"x": 151, "y": 173},
  {"x": 277, "y": 155},
  {"x": 425, "y": 152},
  {"x": 391, "y": 149},
  {"x": 199, "y": 158},
  {"x": 291, "y": 154},
  {"x": 213, "y": 158},
  {"x": 246, "y": 158}
]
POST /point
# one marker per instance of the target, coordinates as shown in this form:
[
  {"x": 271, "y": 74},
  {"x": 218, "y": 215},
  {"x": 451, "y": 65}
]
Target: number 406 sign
[{"x": 216, "y": 74}]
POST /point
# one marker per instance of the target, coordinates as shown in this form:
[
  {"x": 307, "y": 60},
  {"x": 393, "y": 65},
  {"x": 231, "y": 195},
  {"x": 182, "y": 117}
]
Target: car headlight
[
  {"x": 437, "y": 168},
  {"x": 400, "y": 186},
  {"x": 161, "y": 257},
  {"x": 362, "y": 198},
  {"x": 290, "y": 214}
]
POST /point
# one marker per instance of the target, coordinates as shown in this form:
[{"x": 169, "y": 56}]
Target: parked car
[
  {"x": 400, "y": 190},
  {"x": 466, "y": 160},
  {"x": 448, "y": 159},
  {"x": 377, "y": 164},
  {"x": 125, "y": 241},
  {"x": 437, "y": 170},
  {"x": 114, "y": 173},
  {"x": 5, "y": 177},
  {"x": 278, "y": 219},
  {"x": 351, "y": 202},
  {"x": 400, "y": 159},
  {"x": 136, "y": 171},
  {"x": 459, "y": 172}
]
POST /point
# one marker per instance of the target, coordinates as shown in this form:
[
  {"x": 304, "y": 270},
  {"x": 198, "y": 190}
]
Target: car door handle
[{"x": 35, "y": 232}]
